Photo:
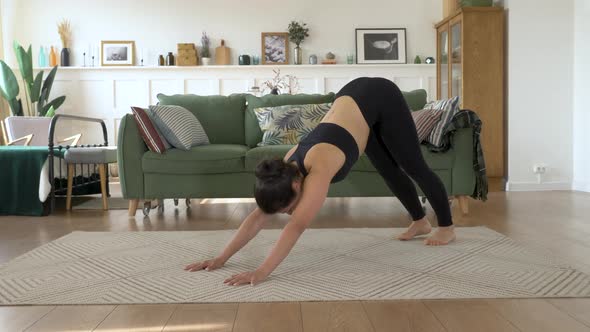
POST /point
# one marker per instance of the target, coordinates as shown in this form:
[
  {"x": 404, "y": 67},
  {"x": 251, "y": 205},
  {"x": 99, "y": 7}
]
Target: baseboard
[
  {"x": 533, "y": 186},
  {"x": 582, "y": 186}
]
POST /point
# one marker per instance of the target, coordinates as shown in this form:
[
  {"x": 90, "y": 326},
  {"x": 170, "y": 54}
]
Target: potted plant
[
  {"x": 297, "y": 34},
  {"x": 37, "y": 91},
  {"x": 205, "y": 52}
]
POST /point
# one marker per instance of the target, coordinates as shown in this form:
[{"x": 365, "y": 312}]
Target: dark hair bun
[
  {"x": 274, "y": 169},
  {"x": 273, "y": 190}
]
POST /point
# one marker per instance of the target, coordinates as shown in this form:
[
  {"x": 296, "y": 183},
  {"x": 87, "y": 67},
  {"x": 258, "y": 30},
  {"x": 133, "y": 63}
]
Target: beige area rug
[{"x": 325, "y": 265}]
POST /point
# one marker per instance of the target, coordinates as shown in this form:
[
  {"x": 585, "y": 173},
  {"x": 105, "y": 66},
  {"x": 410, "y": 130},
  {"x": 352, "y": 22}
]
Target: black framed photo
[{"x": 381, "y": 45}]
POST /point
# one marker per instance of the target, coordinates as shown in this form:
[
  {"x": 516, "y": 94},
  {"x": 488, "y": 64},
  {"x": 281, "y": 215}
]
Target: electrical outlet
[{"x": 539, "y": 169}]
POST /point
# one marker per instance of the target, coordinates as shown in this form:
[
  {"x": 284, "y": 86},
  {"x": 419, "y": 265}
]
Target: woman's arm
[
  {"x": 247, "y": 231},
  {"x": 315, "y": 190}
]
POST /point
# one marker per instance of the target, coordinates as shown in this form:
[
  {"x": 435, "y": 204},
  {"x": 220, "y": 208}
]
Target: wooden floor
[{"x": 558, "y": 221}]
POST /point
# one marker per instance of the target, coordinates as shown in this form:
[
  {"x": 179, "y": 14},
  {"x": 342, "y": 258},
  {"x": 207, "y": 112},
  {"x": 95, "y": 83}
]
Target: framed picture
[
  {"x": 117, "y": 53},
  {"x": 381, "y": 45},
  {"x": 275, "y": 48}
]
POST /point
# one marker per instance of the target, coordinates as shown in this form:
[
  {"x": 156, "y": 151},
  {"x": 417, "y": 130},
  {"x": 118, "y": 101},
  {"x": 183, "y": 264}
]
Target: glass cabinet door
[
  {"x": 443, "y": 63},
  {"x": 456, "y": 62}
]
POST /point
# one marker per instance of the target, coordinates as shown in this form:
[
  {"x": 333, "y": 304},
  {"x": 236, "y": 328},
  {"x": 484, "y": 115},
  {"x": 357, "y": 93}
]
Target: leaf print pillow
[{"x": 289, "y": 124}]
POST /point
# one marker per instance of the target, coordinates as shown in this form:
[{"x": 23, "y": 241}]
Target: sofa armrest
[
  {"x": 130, "y": 149},
  {"x": 463, "y": 174}
]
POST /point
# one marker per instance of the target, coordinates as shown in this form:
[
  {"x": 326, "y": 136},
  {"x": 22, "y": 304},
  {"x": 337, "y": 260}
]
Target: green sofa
[{"x": 225, "y": 168}]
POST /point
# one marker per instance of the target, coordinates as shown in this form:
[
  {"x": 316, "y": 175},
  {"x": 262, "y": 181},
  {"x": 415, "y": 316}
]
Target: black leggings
[{"x": 394, "y": 149}]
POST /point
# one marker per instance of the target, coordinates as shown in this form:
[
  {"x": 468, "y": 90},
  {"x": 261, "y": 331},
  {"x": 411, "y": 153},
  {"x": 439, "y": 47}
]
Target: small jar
[
  {"x": 170, "y": 59},
  {"x": 313, "y": 59},
  {"x": 244, "y": 60},
  {"x": 161, "y": 60}
]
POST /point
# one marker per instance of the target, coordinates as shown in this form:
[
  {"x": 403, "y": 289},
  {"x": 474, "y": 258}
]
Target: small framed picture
[
  {"x": 275, "y": 48},
  {"x": 117, "y": 53},
  {"x": 381, "y": 45}
]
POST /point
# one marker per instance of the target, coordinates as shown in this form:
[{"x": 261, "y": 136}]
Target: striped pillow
[
  {"x": 152, "y": 138},
  {"x": 179, "y": 126},
  {"x": 448, "y": 108},
  {"x": 425, "y": 121}
]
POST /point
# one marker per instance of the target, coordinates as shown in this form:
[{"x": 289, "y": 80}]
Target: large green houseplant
[{"x": 37, "y": 91}]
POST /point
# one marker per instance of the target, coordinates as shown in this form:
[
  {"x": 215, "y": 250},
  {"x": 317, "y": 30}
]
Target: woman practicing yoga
[{"x": 369, "y": 115}]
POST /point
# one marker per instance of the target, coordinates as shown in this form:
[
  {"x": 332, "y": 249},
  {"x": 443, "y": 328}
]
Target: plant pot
[
  {"x": 298, "y": 56},
  {"x": 65, "y": 57},
  {"x": 206, "y": 61}
]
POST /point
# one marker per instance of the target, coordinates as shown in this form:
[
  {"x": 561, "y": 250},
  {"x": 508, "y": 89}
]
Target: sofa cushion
[
  {"x": 254, "y": 156},
  {"x": 448, "y": 109},
  {"x": 252, "y": 129},
  {"x": 425, "y": 121},
  {"x": 289, "y": 124},
  {"x": 222, "y": 117},
  {"x": 416, "y": 99},
  {"x": 435, "y": 160},
  {"x": 152, "y": 138},
  {"x": 203, "y": 159},
  {"x": 180, "y": 127}
]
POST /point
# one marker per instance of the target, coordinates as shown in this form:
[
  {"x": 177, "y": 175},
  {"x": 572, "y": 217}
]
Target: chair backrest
[{"x": 19, "y": 126}]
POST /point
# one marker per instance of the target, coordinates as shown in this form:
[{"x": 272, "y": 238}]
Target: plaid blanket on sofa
[{"x": 467, "y": 119}]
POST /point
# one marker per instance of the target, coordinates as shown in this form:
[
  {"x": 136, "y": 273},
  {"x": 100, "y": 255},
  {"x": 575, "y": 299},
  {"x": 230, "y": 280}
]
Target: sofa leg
[
  {"x": 133, "y": 206},
  {"x": 464, "y": 204}
]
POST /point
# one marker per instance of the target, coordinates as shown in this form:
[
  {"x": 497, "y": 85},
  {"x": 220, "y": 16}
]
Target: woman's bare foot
[
  {"x": 417, "y": 228},
  {"x": 442, "y": 236}
]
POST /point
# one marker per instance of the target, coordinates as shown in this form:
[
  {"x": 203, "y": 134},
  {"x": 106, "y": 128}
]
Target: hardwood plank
[
  {"x": 406, "y": 316},
  {"x": 536, "y": 315},
  {"x": 260, "y": 317},
  {"x": 144, "y": 318},
  {"x": 577, "y": 308},
  {"x": 20, "y": 318},
  {"x": 202, "y": 317},
  {"x": 72, "y": 318},
  {"x": 335, "y": 316},
  {"x": 468, "y": 316}
]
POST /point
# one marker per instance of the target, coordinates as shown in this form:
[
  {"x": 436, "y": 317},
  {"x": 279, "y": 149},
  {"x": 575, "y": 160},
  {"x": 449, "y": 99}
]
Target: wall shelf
[{"x": 237, "y": 67}]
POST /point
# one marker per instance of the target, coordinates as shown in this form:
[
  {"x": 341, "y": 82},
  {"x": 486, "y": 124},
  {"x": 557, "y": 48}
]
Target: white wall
[
  {"x": 158, "y": 25},
  {"x": 540, "y": 92},
  {"x": 581, "y": 89}
]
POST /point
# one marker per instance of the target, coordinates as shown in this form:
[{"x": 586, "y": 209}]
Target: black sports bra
[{"x": 331, "y": 133}]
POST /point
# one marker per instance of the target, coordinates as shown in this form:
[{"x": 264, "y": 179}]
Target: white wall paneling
[
  {"x": 109, "y": 92},
  {"x": 165, "y": 86},
  {"x": 230, "y": 86},
  {"x": 203, "y": 87}
]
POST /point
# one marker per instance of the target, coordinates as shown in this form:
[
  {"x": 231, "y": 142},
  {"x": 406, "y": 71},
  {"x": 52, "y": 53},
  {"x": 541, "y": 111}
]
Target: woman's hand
[
  {"x": 252, "y": 278},
  {"x": 208, "y": 265}
]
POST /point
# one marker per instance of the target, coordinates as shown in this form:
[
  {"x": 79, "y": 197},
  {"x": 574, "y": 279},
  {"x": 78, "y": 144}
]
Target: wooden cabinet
[{"x": 470, "y": 64}]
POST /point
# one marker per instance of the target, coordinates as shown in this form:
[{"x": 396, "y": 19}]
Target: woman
[{"x": 369, "y": 115}]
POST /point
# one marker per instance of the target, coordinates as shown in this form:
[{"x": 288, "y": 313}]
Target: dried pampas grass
[{"x": 65, "y": 33}]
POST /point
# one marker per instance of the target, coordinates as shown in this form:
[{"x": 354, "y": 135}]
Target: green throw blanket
[
  {"x": 468, "y": 119},
  {"x": 19, "y": 190}
]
